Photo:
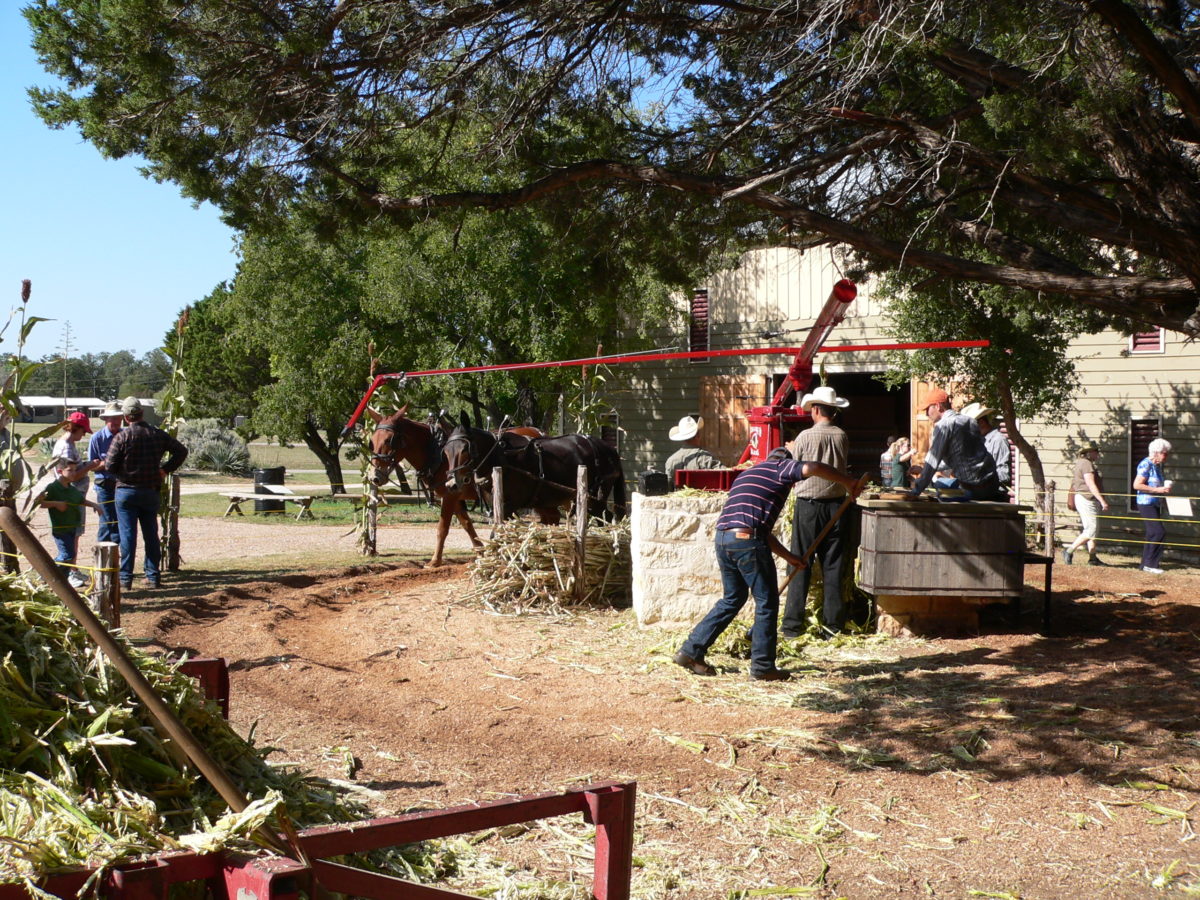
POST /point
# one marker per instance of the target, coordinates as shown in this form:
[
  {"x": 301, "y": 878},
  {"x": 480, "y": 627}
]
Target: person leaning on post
[{"x": 744, "y": 544}]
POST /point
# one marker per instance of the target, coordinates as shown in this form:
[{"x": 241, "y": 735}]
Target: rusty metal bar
[
  {"x": 611, "y": 810},
  {"x": 374, "y": 886}
]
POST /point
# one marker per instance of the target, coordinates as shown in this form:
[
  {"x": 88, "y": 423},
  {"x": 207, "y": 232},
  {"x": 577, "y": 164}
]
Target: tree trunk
[{"x": 328, "y": 454}]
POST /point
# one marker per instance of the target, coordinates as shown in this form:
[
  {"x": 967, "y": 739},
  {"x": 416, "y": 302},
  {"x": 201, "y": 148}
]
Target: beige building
[{"x": 1132, "y": 389}]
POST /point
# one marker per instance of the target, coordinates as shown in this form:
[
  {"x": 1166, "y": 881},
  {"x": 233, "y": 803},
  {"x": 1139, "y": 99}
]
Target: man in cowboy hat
[
  {"x": 106, "y": 482},
  {"x": 957, "y": 444},
  {"x": 817, "y": 501},
  {"x": 691, "y": 455},
  {"x": 994, "y": 440}
]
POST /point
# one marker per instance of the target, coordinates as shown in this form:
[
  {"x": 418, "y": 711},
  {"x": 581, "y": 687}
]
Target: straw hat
[
  {"x": 686, "y": 429},
  {"x": 977, "y": 411},
  {"x": 826, "y": 396}
]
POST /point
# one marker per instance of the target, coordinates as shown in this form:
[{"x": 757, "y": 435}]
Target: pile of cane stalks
[
  {"x": 85, "y": 779},
  {"x": 528, "y": 567}
]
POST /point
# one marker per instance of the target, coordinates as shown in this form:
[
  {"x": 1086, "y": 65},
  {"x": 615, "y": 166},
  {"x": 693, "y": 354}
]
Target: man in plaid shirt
[{"x": 135, "y": 457}]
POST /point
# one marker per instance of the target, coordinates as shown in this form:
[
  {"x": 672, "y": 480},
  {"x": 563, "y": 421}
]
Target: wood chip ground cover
[{"x": 1003, "y": 765}]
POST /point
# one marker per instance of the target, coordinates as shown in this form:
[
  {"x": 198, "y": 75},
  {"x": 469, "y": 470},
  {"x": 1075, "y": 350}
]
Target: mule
[
  {"x": 539, "y": 473},
  {"x": 398, "y": 439}
]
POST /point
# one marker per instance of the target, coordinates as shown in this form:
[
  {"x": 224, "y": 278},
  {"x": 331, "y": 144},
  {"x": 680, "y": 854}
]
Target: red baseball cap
[{"x": 80, "y": 419}]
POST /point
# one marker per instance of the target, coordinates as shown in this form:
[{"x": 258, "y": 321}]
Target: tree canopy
[{"x": 1050, "y": 146}]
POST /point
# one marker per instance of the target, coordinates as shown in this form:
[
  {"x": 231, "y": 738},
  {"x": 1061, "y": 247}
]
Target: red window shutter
[
  {"x": 1141, "y": 433},
  {"x": 1147, "y": 342},
  {"x": 698, "y": 336}
]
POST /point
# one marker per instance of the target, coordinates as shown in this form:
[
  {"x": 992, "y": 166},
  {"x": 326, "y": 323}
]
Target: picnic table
[{"x": 272, "y": 492}]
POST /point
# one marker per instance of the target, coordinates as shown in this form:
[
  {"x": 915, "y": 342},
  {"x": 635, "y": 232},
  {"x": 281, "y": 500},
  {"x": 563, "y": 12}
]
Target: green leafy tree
[
  {"x": 222, "y": 371},
  {"x": 1025, "y": 372},
  {"x": 1055, "y": 142}
]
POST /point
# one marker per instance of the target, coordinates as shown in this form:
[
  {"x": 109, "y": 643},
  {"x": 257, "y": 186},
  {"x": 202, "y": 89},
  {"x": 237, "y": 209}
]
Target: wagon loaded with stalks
[{"x": 122, "y": 780}]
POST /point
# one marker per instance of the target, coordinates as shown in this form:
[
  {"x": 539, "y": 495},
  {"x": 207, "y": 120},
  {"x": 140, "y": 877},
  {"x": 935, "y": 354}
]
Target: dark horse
[
  {"x": 397, "y": 439},
  {"x": 539, "y": 473}
]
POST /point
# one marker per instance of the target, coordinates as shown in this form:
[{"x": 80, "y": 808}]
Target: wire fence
[{"x": 1120, "y": 530}]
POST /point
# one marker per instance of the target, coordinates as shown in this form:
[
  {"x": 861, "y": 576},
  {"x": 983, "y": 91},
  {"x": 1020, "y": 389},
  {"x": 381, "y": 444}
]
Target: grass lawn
[{"x": 326, "y": 511}]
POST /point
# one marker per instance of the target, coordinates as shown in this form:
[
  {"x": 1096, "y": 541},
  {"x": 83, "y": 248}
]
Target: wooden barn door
[{"x": 724, "y": 401}]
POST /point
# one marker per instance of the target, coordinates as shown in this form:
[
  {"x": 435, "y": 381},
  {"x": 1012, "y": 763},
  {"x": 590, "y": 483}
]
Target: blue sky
[{"x": 111, "y": 252}]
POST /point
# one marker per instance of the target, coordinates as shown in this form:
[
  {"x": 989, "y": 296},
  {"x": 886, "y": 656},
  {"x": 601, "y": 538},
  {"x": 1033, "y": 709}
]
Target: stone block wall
[{"x": 675, "y": 576}]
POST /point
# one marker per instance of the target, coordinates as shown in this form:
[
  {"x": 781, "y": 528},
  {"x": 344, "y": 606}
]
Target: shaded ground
[{"x": 1004, "y": 765}]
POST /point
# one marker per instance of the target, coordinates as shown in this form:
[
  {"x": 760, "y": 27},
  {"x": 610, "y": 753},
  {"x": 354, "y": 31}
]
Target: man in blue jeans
[
  {"x": 135, "y": 459},
  {"x": 745, "y": 542},
  {"x": 105, "y": 484}
]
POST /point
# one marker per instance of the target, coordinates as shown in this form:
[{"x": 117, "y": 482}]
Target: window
[
  {"x": 698, "y": 336},
  {"x": 610, "y": 431},
  {"x": 1141, "y": 433},
  {"x": 1147, "y": 342}
]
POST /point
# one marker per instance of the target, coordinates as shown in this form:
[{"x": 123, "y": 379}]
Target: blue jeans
[
  {"x": 747, "y": 568},
  {"x": 66, "y": 542},
  {"x": 138, "y": 506},
  {"x": 106, "y": 497}
]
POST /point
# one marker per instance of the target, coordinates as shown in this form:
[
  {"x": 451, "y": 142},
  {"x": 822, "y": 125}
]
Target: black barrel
[{"x": 268, "y": 476}]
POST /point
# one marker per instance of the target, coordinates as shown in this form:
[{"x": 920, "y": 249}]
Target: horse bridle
[{"x": 467, "y": 439}]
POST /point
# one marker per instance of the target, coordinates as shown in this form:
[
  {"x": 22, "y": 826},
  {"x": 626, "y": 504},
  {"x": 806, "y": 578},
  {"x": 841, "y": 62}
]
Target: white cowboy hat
[
  {"x": 826, "y": 396},
  {"x": 686, "y": 429},
  {"x": 977, "y": 411}
]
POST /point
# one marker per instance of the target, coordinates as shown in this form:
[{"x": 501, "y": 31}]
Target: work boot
[
  {"x": 695, "y": 666},
  {"x": 770, "y": 675},
  {"x": 1096, "y": 561},
  {"x": 1067, "y": 556}
]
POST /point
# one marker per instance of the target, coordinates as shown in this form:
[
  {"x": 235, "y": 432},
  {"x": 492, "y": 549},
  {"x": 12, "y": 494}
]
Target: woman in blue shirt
[{"x": 1151, "y": 487}]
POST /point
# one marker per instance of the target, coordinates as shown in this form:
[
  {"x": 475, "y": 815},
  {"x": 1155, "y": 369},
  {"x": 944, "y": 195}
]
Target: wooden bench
[
  {"x": 1038, "y": 559},
  {"x": 274, "y": 492}
]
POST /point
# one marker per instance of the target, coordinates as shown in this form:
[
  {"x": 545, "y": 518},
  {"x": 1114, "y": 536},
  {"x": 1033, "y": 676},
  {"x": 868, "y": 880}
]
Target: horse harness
[{"x": 433, "y": 453}]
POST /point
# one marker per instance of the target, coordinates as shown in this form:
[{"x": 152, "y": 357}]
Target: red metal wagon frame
[{"x": 607, "y": 805}]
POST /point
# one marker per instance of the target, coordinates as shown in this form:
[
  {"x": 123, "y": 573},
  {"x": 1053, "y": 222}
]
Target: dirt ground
[{"x": 1009, "y": 764}]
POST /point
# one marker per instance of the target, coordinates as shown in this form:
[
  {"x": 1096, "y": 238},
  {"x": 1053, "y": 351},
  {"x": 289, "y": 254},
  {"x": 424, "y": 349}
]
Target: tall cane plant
[
  {"x": 20, "y": 482},
  {"x": 170, "y": 410}
]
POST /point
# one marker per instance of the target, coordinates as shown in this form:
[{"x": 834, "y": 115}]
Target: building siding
[{"x": 782, "y": 290}]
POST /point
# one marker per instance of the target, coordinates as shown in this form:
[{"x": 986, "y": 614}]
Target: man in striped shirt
[{"x": 745, "y": 542}]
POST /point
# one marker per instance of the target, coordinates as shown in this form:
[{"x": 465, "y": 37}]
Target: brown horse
[{"x": 398, "y": 439}]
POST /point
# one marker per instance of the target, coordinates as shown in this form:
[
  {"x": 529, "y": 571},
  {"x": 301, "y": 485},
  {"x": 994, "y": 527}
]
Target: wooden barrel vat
[{"x": 930, "y": 565}]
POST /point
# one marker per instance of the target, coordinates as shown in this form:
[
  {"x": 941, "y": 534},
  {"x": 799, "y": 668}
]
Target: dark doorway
[{"x": 875, "y": 413}]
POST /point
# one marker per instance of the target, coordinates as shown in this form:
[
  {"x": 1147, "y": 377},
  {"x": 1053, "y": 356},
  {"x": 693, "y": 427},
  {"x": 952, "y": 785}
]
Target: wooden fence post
[
  {"x": 1050, "y": 520},
  {"x": 581, "y": 526},
  {"x": 106, "y": 598},
  {"x": 371, "y": 537},
  {"x": 12, "y": 560},
  {"x": 497, "y": 499},
  {"x": 173, "y": 525}
]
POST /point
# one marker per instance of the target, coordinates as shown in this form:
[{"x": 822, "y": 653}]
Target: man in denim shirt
[
  {"x": 745, "y": 541},
  {"x": 958, "y": 444},
  {"x": 105, "y": 482}
]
